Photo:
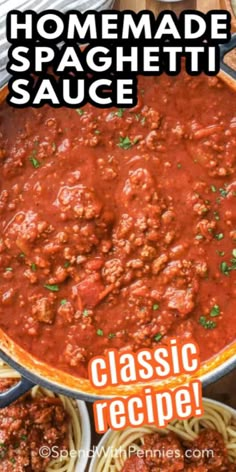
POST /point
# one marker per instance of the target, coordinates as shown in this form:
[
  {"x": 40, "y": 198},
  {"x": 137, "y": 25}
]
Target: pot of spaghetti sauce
[{"x": 118, "y": 230}]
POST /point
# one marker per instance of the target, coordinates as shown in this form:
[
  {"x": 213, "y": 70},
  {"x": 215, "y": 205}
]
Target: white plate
[{"x": 86, "y": 437}]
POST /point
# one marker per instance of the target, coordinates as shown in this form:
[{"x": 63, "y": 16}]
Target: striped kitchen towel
[{"x": 39, "y": 5}]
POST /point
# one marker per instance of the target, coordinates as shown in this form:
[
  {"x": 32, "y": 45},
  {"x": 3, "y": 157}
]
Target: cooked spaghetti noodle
[
  {"x": 6, "y": 372},
  {"x": 61, "y": 464},
  {"x": 117, "y": 449}
]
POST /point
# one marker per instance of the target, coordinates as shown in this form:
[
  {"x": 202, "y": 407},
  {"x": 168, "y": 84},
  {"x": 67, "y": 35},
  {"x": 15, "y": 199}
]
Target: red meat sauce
[
  {"x": 167, "y": 454},
  {"x": 118, "y": 227},
  {"x": 26, "y": 426}
]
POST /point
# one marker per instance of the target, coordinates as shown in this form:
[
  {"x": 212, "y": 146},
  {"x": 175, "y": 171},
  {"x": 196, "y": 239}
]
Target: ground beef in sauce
[
  {"x": 118, "y": 227},
  {"x": 168, "y": 454},
  {"x": 27, "y": 425}
]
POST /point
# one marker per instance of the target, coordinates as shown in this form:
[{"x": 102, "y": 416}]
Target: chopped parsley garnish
[
  {"x": 13, "y": 460},
  {"x": 221, "y": 253},
  {"x": 126, "y": 143},
  {"x": 216, "y": 215},
  {"x": 215, "y": 311},
  {"x": 213, "y": 189},
  {"x": 35, "y": 163},
  {"x": 100, "y": 332},
  {"x": 199, "y": 236},
  {"x": 224, "y": 267},
  {"x": 219, "y": 236},
  {"x": 67, "y": 264},
  {"x": 53, "y": 288},
  {"x": 207, "y": 324},
  {"x": 158, "y": 337},
  {"x": 85, "y": 313},
  {"x": 3, "y": 453},
  {"x": 233, "y": 262},
  {"x": 111, "y": 335},
  {"x": 8, "y": 269},
  {"x": 139, "y": 117},
  {"x": 23, "y": 437},
  {"x": 33, "y": 267},
  {"x": 63, "y": 302},
  {"x": 155, "y": 306},
  {"x": 80, "y": 111},
  {"x": 96, "y": 131},
  {"x": 223, "y": 192},
  {"x": 120, "y": 112}
]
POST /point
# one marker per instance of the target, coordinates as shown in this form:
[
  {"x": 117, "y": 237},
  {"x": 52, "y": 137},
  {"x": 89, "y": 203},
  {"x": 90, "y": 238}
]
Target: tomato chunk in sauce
[{"x": 118, "y": 227}]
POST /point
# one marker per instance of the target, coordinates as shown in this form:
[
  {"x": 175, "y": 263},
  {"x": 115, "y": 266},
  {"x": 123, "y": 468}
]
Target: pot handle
[
  {"x": 15, "y": 392},
  {"x": 224, "y": 49}
]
